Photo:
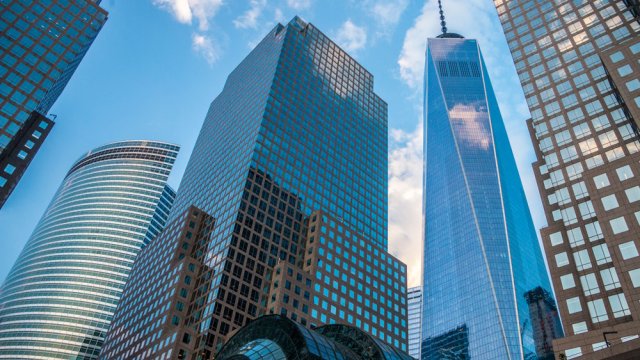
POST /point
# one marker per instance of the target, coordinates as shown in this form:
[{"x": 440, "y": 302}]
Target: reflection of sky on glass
[
  {"x": 474, "y": 249},
  {"x": 471, "y": 125}
]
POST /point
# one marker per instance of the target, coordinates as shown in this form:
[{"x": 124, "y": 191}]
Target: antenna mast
[{"x": 442, "y": 22}]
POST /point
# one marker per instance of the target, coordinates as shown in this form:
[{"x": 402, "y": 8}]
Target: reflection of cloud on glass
[
  {"x": 445, "y": 52},
  {"x": 471, "y": 124}
]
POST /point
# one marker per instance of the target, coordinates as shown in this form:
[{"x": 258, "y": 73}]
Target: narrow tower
[{"x": 481, "y": 255}]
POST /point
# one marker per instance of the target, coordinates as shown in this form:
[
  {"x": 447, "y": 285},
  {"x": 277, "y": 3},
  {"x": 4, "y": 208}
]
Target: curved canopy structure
[
  {"x": 367, "y": 346},
  {"x": 275, "y": 337}
]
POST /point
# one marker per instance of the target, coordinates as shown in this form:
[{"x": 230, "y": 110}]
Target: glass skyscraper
[
  {"x": 41, "y": 45},
  {"x": 58, "y": 300},
  {"x": 290, "y": 168},
  {"x": 484, "y": 275}
]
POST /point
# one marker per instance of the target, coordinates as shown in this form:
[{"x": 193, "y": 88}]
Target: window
[
  {"x": 573, "y": 305},
  {"x": 601, "y": 181},
  {"x": 562, "y": 259},
  {"x": 635, "y": 277},
  {"x": 567, "y": 281},
  {"x": 619, "y": 305},
  {"x": 579, "y": 328},
  {"x": 9, "y": 169},
  {"x": 624, "y": 70},
  {"x": 597, "y": 311},
  {"x": 628, "y": 250},
  {"x": 575, "y": 237},
  {"x": 579, "y": 190},
  {"x": 582, "y": 260},
  {"x": 610, "y": 279},
  {"x": 618, "y": 225},
  {"x": 624, "y": 173},
  {"x": 633, "y": 194},
  {"x": 586, "y": 210},
  {"x": 556, "y": 238},
  {"x": 589, "y": 284},
  {"x": 599, "y": 345},
  {"x": 616, "y": 56},
  {"x": 573, "y": 353},
  {"x": 601, "y": 254},
  {"x": 610, "y": 202},
  {"x": 608, "y": 139},
  {"x": 594, "y": 232},
  {"x": 633, "y": 85}
]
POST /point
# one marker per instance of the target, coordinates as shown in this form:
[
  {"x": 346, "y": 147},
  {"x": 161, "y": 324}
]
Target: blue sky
[{"x": 157, "y": 64}]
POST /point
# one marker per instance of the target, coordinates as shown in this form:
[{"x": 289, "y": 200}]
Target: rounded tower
[{"x": 58, "y": 300}]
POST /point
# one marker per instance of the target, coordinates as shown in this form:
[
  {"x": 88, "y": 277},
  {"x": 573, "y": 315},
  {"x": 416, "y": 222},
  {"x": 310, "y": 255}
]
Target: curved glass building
[
  {"x": 486, "y": 288},
  {"x": 275, "y": 337},
  {"x": 58, "y": 300}
]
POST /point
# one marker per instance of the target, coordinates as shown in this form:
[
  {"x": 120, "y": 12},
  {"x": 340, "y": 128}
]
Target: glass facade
[
  {"x": 414, "y": 311},
  {"x": 278, "y": 338},
  {"x": 481, "y": 255},
  {"x": 60, "y": 296},
  {"x": 41, "y": 45},
  {"x": 296, "y": 129}
]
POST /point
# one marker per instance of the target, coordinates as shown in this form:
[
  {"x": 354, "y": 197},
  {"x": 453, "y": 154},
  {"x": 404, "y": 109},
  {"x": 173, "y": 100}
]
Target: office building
[
  {"x": 414, "y": 309},
  {"x": 59, "y": 298},
  {"x": 283, "y": 204},
  {"x": 278, "y": 337},
  {"x": 41, "y": 45},
  {"x": 578, "y": 64},
  {"x": 482, "y": 260}
]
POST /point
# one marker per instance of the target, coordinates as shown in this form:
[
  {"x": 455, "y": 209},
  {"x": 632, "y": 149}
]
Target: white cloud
[
  {"x": 278, "y": 16},
  {"x": 387, "y": 14},
  {"x": 405, "y": 200},
  {"x": 299, "y": 4},
  {"x": 186, "y": 10},
  {"x": 249, "y": 20},
  {"x": 203, "y": 45},
  {"x": 351, "y": 37},
  {"x": 203, "y": 11}
]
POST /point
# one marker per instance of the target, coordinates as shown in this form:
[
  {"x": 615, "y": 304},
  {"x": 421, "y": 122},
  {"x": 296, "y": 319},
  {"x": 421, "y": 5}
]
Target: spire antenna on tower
[{"x": 442, "y": 22}]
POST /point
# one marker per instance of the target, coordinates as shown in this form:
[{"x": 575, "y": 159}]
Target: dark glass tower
[
  {"x": 482, "y": 260},
  {"x": 41, "y": 45},
  {"x": 282, "y": 208}
]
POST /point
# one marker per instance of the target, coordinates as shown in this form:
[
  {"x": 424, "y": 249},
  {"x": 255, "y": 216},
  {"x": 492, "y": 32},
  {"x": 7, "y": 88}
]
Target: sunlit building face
[{"x": 485, "y": 283}]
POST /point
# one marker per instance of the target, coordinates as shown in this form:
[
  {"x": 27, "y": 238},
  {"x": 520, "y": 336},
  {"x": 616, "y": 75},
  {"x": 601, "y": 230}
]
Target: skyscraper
[
  {"x": 414, "y": 309},
  {"x": 58, "y": 300},
  {"x": 482, "y": 259},
  {"x": 41, "y": 45},
  {"x": 578, "y": 64},
  {"x": 282, "y": 208}
]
